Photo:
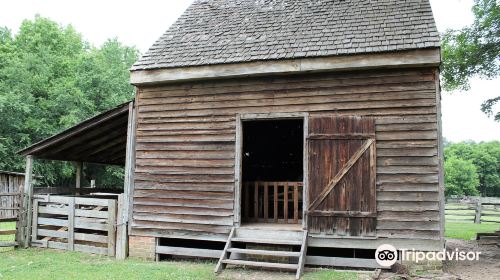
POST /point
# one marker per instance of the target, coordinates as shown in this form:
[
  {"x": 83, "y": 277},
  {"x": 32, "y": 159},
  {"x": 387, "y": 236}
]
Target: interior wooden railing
[{"x": 272, "y": 202}]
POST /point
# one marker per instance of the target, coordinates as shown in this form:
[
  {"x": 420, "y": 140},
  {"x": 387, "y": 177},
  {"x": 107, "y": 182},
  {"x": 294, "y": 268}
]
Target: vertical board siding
[
  {"x": 333, "y": 143},
  {"x": 10, "y": 188},
  {"x": 185, "y": 145}
]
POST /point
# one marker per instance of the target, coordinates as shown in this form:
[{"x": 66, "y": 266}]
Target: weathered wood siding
[
  {"x": 10, "y": 187},
  {"x": 185, "y": 146},
  {"x": 342, "y": 176}
]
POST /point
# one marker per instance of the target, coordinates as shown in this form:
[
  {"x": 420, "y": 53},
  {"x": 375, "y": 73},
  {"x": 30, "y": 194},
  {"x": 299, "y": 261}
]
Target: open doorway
[{"x": 272, "y": 171}]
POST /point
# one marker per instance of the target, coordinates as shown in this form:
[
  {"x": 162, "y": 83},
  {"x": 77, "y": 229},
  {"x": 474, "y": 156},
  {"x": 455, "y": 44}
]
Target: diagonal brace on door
[{"x": 357, "y": 155}]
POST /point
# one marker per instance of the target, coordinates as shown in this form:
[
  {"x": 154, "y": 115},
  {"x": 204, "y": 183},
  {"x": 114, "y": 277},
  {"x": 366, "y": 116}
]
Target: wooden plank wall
[
  {"x": 10, "y": 188},
  {"x": 185, "y": 146}
]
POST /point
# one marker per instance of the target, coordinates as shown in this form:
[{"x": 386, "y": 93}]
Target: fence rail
[
  {"x": 75, "y": 224},
  {"x": 278, "y": 202},
  {"x": 473, "y": 211}
]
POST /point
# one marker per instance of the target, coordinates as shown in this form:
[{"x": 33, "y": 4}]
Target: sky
[{"x": 140, "y": 23}]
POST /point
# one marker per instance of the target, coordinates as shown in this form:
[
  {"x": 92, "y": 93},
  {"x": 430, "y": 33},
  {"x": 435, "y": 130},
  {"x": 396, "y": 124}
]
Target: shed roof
[
  {"x": 230, "y": 31},
  {"x": 100, "y": 139}
]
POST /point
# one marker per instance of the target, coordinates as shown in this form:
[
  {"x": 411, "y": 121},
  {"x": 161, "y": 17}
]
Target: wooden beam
[
  {"x": 111, "y": 229},
  {"x": 28, "y": 196},
  {"x": 400, "y": 59},
  {"x": 440, "y": 157},
  {"x": 238, "y": 172},
  {"x": 78, "y": 177},
  {"x": 121, "y": 230},
  {"x": 128, "y": 187},
  {"x": 71, "y": 224},
  {"x": 305, "y": 168}
]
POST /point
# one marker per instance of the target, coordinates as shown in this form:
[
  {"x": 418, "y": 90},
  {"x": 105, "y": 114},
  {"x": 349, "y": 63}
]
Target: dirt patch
[{"x": 488, "y": 266}]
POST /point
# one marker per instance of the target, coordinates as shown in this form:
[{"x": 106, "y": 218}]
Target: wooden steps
[
  {"x": 253, "y": 238},
  {"x": 262, "y": 264},
  {"x": 264, "y": 252},
  {"x": 268, "y": 241}
]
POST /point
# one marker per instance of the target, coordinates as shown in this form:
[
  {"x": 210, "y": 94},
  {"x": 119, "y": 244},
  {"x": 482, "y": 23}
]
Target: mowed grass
[
  {"x": 468, "y": 230},
  {"x": 40, "y": 264},
  {"x": 10, "y": 237}
]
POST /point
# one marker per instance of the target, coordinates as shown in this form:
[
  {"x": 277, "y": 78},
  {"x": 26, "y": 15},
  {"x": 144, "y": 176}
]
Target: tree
[
  {"x": 474, "y": 51},
  {"x": 51, "y": 79},
  {"x": 485, "y": 157},
  {"x": 460, "y": 177}
]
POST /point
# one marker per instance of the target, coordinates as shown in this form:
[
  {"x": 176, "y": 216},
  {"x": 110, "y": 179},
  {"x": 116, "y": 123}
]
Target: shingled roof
[{"x": 230, "y": 31}]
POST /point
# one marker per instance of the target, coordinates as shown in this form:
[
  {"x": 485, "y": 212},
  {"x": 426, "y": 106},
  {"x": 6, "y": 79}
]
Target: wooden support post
[
  {"x": 28, "y": 195},
  {"x": 128, "y": 188},
  {"x": 121, "y": 230},
  {"x": 71, "y": 224},
  {"x": 477, "y": 218},
  {"x": 111, "y": 227},
  {"x": 237, "y": 171},
  {"x": 78, "y": 177},
  {"x": 34, "y": 230},
  {"x": 266, "y": 201},
  {"x": 285, "y": 203},
  {"x": 295, "y": 203},
  {"x": 275, "y": 202},
  {"x": 256, "y": 202}
]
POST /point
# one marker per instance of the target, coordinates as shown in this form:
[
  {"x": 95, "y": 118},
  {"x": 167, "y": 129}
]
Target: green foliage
[
  {"x": 485, "y": 158},
  {"x": 51, "y": 79},
  {"x": 461, "y": 177},
  {"x": 474, "y": 51}
]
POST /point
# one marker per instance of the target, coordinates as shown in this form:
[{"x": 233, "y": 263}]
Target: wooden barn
[{"x": 279, "y": 133}]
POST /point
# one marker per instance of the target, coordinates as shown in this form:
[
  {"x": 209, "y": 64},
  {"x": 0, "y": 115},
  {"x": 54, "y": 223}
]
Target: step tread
[
  {"x": 261, "y": 264},
  {"x": 264, "y": 252},
  {"x": 267, "y": 241}
]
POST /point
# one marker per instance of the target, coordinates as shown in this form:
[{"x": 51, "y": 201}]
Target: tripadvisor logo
[{"x": 386, "y": 255}]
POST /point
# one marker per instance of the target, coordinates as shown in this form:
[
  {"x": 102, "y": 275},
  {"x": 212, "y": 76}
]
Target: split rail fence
[{"x": 479, "y": 211}]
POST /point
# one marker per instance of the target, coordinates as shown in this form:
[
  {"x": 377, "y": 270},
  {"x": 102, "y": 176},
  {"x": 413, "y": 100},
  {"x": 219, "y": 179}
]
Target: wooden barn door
[{"x": 342, "y": 176}]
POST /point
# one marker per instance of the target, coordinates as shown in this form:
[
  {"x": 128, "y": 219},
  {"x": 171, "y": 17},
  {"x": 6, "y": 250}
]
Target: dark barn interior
[{"x": 272, "y": 168}]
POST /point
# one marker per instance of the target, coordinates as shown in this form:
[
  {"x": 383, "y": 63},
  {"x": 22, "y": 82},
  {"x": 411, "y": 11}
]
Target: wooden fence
[
  {"x": 477, "y": 211},
  {"x": 75, "y": 224},
  {"x": 278, "y": 202},
  {"x": 11, "y": 185}
]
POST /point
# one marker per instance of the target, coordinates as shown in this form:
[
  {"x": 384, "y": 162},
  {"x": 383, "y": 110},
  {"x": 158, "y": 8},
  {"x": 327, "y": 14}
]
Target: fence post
[
  {"x": 26, "y": 215},
  {"x": 477, "y": 218},
  {"x": 111, "y": 227},
  {"x": 71, "y": 224},
  {"x": 34, "y": 229},
  {"x": 121, "y": 230}
]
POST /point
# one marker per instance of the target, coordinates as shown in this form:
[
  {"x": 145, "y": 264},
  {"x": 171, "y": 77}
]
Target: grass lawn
[
  {"x": 42, "y": 264},
  {"x": 468, "y": 230}
]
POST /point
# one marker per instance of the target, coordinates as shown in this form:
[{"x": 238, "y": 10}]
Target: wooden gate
[
  {"x": 342, "y": 171},
  {"x": 75, "y": 224}
]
